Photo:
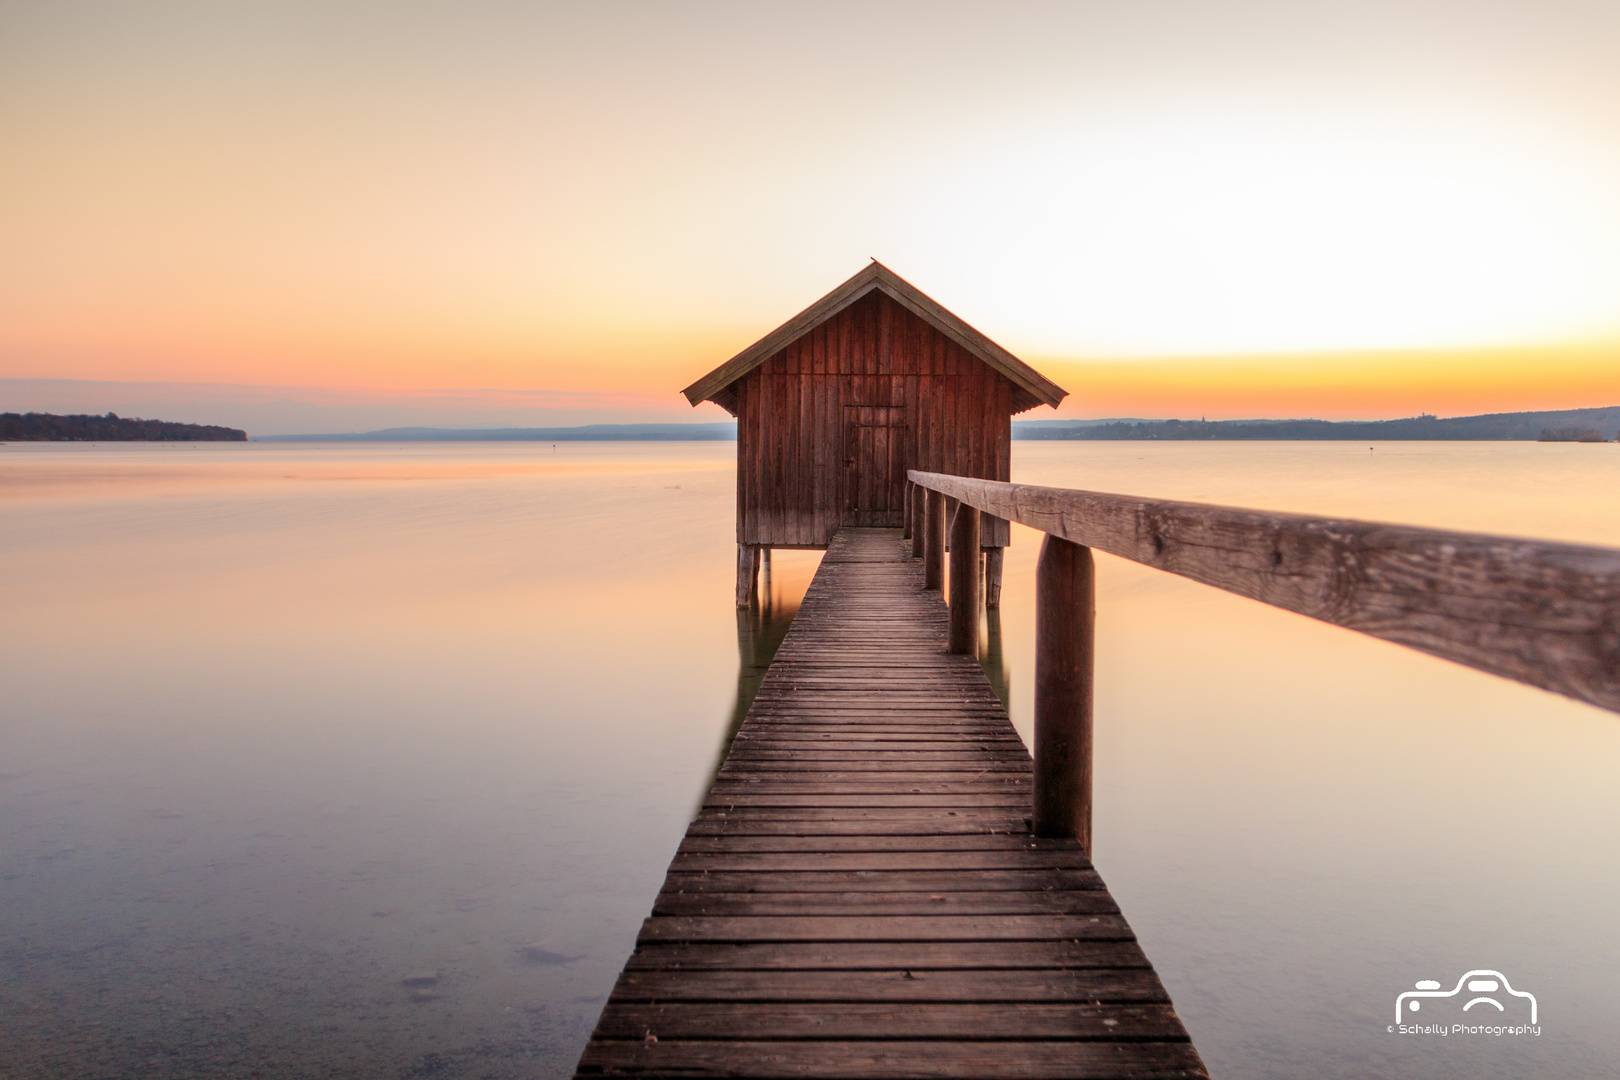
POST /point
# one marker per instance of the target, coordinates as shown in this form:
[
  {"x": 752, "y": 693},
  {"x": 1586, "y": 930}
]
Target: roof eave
[
  {"x": 877, "y": 276},
  {"x": 952, "y": 326},
  {"x": 744, "y": 362}
]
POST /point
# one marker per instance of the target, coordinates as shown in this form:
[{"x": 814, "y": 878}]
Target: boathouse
[{"x": 834, "y": 406}]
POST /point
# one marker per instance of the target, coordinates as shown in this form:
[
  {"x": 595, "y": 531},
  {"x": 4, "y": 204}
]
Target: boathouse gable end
[{"x": 834, "y": 406}]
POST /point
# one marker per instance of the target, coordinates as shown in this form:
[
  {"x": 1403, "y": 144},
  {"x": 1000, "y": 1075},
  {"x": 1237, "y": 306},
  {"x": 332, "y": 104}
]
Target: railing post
[
  {"x": 905, "y": 512},
  {"x": 965, "y": 556},
  {"x": 1065, "y": 632},
  {"x": 919, "y": 504},
  {"x": 747, "y": 570},
  {"x": 934, "y": 547}
]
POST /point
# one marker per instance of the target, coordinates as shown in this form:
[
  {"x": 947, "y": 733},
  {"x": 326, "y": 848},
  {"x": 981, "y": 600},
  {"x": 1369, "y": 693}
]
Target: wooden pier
[
  {"x": 883, "y": 883},
  {"x": 861, "y": 896}
]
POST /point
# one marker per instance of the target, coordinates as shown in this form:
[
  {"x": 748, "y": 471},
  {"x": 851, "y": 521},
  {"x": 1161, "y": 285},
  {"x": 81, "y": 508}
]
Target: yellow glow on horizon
[{"x": 1341, "y": 386}]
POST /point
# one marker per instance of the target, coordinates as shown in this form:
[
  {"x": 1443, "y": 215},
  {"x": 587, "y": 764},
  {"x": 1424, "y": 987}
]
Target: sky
[{"x": 358, "y": 214}]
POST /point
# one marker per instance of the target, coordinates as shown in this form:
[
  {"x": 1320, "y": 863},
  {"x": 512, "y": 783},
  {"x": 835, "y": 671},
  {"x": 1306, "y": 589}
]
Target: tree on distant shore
[{"x": 1572, "y": 434}]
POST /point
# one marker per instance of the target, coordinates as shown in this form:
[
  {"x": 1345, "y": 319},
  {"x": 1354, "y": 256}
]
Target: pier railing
[{"x": 1542, "y": 613}]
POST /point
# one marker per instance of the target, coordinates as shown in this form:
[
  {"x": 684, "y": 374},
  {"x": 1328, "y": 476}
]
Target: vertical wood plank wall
[{"x": 828, "y": 426}]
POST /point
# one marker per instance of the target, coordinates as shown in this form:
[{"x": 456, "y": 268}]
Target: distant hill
[
  {"x": 48, "y": 427},
  {"x": 592, "y": 432},
  {"x": 1528, "y": 426},
  {"x": 1052, "y": 425}
]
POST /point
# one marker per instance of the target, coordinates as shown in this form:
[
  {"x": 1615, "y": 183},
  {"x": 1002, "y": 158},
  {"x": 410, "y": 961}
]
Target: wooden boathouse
[{"x": 836, "y": 404}]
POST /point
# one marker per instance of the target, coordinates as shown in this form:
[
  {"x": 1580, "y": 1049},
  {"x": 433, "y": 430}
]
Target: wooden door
[{"x": 875, "y": 446}]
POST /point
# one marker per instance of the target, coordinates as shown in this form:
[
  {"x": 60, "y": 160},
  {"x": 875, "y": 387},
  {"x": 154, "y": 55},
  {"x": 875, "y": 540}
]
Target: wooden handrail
[{"x": 1542, "y": 613}]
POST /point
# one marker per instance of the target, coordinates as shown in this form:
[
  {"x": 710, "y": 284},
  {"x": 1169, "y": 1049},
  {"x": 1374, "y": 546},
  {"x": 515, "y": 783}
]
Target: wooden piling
[
  {"x": 965, "y": 557},
  {"x": 1065, "y": 631},
  {"x": 934, "y": 546},
  {"x": 992, "y": 577},
  {"x": 747, "y": 555}
]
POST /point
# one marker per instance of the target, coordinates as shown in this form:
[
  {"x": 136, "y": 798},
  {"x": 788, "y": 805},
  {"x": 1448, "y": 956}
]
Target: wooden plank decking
[{"x": 859, "y": 896}]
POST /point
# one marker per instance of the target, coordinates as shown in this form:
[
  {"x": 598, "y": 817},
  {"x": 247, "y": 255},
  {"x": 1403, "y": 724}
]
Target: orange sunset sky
[{"x": 332, "y": 215}]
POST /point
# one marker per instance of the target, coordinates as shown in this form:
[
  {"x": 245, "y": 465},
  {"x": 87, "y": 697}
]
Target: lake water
[{"x": 356, "y": 760}]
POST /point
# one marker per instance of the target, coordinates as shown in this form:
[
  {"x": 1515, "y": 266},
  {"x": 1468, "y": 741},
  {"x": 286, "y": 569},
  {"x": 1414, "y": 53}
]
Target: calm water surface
[{"x": 368, "y": 760}]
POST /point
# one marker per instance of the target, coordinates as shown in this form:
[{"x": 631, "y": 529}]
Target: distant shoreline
[
  {"x": 1564, "y": 425},
  {"x": 703, "y": 432},
  {"x": 110, "y": 427}
]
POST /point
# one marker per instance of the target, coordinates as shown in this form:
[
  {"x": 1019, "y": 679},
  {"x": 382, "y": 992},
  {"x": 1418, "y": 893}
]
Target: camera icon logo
[{"x": 1488, "y": 990}]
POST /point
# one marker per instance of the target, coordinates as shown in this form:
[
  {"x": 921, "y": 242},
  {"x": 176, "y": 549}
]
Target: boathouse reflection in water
[
  {"x": 761, "y": 626},
  {"x": 990, "y": 658}
]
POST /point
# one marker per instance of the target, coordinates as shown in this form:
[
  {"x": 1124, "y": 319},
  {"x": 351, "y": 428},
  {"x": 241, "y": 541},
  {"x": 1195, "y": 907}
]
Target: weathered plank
[
  {"x": 866, "y": 828},
  {"x": 899, "y": 881},
  {"x": 894, "y": 814},
  {"x": 823, "y": 839},
  {"x": 913, "y": 956},
  {"x": 788, "y": 863},
  {"x": 808, "y": 763},
  {"x": 881, "y": 928},
  {"x": 904, "y": 1059},
  {"x": 1537, "y": 612},
  {"x": 948, "y": 900},
  {"x": 906, "y": 984},
  {"x": 922, "y": 1020},
  {"x": 734, "y": 784}
]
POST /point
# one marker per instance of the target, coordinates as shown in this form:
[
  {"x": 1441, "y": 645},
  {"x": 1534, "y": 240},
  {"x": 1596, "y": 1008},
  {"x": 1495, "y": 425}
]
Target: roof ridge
[{"x": 877, "y": 277}]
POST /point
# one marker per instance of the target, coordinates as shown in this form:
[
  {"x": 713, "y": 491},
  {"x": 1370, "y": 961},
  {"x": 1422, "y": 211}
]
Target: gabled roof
[{"x": 1037, "y": 388}]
